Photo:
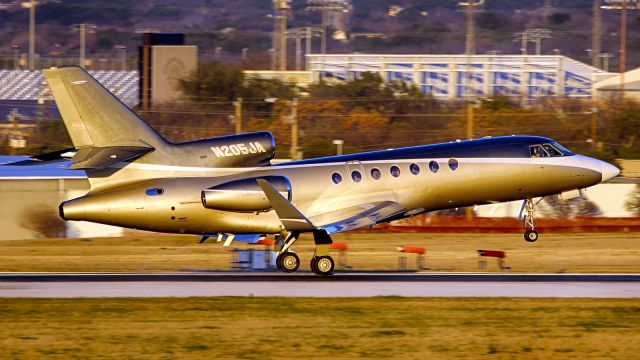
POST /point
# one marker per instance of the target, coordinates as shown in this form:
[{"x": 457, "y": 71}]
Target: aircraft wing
[
  {"x": 356, "y": 217},
  {"x": 51, "y": 157},
  {"x": 345, "y": 219}
]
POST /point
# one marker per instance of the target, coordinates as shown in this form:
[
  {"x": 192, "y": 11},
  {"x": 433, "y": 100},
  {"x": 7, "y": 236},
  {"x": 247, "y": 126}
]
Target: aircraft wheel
[
  {"x": 324, "y": 265},
  {"x": 288, "y": 262},
  {"x": 531, "y": 235}
]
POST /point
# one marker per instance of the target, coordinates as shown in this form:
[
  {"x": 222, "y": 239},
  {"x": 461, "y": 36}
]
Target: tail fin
[{"x": 93, "y": 116}]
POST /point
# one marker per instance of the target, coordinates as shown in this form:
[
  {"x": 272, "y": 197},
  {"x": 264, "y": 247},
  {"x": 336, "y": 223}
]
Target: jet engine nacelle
[{"x": 244, "y": 195}]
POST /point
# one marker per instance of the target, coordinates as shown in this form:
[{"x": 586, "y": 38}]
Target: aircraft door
[{"x": 355, "y": 171}]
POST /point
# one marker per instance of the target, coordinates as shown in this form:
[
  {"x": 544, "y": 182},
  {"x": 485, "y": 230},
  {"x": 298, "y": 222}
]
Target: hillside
[{"x": 435, "y": 26}]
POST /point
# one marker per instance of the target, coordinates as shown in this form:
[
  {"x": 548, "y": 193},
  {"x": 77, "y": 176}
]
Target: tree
[
  {"x": 633, "y": 203},
  {"x": 212, "y": 81}
]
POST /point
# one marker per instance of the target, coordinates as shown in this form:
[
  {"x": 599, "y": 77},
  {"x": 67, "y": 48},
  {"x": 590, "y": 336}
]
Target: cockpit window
[
  {"x": 548, "y": 150},
  {"x": 537, "y": 151},
  {"x": 551, "y": 150},
  {"x": 562, "y": 149}
]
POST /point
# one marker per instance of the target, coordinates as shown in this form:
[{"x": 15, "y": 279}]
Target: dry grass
[
  {"x": 593, "y": 252},
  {"x": 266, "y": 328}
]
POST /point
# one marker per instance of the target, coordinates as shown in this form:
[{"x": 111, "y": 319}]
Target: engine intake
[{"x": 244, "y": 195}]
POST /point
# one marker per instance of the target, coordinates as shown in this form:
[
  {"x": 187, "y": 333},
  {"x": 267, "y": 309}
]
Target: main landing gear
[
  {"x": 321, "y": 263},
  {"x": 531, "y": 234}
]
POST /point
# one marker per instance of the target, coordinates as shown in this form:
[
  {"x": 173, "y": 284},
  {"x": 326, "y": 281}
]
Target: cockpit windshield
[{"x": 548, "y": 150}]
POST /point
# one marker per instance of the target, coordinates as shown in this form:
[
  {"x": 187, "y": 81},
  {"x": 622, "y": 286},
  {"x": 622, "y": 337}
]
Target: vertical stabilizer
[{"x": 93, "y": 116}]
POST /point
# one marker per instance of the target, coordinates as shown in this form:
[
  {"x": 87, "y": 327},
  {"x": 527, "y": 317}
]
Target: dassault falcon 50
[{"x": 227, "y": 186}]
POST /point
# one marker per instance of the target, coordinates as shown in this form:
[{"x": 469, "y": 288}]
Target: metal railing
[{"x": 91, "y": 63}]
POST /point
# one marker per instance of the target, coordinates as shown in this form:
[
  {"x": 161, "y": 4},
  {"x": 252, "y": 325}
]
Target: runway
[{"x": 342, "y": 284}]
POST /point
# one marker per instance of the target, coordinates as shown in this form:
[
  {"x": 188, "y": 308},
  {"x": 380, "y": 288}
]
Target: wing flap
[{"x": 356, "y": 217}]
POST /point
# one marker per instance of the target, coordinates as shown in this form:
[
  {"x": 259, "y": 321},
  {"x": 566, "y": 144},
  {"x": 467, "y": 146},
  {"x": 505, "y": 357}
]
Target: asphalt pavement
[{"x": 302, "y": 284}]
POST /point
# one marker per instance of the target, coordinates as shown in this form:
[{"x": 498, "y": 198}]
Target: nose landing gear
[{"x": 531, "y": 234}]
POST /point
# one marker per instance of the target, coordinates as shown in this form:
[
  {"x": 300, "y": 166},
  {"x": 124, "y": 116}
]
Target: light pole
[
  {"x": 470, "y": 45},
  {"x": 83, "y": 29},
  {"x": 605, "y": 60},
  {"x": 338, "y": 143},
  {"x": 122, "y": 55},
  {"x": 16, "y": 57},
  {"x": 31, "y": 5}
]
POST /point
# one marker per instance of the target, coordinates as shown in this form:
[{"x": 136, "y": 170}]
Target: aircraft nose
[{"x": 608, "y": 171}]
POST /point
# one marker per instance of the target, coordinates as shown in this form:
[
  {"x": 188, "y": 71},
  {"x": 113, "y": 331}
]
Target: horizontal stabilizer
[
  {"x": 96, "y": 158},
  {"x": 55, "y": 156},
  {"x": 290, "y": 217}
]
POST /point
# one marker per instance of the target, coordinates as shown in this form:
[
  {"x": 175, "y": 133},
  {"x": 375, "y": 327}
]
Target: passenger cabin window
[
  {"x": 453, "y": 164},
  {"x": 433, "y": 166},
  {"x": 395, "y": 171},
  {"x": 154, "y": 191},
  {"x": 415, "y": 169},
  {"x": 356, "y": 176},
  {"x": 337, "y": 178},
  {"x": 548, "y": 150},
  {"x": 375, "y": 174}
]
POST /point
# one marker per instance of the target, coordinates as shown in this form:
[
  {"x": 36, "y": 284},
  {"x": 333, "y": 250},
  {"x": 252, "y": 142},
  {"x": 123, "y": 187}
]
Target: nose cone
[{"x": 608, "y": 171}]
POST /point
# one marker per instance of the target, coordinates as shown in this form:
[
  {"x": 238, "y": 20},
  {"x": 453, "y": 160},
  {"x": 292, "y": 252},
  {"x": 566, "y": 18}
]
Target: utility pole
[
  {"x": 294, "y": 130},
  {"x": 596, "y": 41},
  {"x": 536, "y": 36},
  {"x": 623, "y": 6},
  {"x": 83, "y": 29},
  {"x": 594, "y": 126},
  {"x": 238, "y": 110},
  {"x": 326, "y": 7},
  {"x": 298, "y": 34},
  {"x": 524, "y": 41}
]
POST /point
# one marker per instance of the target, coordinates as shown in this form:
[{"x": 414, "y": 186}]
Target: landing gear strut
[
  {"x": 531, "y": 234},
  {"x": 286, "y": 261},
  {"x": 322, "y": 263}
]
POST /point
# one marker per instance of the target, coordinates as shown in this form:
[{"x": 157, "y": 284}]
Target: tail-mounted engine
[{"x": 244, "y": 195}]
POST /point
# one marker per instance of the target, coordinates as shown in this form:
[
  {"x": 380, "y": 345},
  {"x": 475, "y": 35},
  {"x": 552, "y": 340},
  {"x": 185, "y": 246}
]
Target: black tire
[
  {"x": 324, "y": 265},
  {"x": 288, "y": 262},
  {"x": 314, "y": 264},
  {"x": 531, "y": 235}
]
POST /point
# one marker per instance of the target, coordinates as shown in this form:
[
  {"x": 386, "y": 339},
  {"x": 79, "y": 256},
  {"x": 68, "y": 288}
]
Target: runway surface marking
[{"x": 202, "y": 283}]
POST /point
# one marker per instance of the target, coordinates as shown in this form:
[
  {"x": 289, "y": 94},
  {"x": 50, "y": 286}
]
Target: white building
[{"x": 458, "y": 76}]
